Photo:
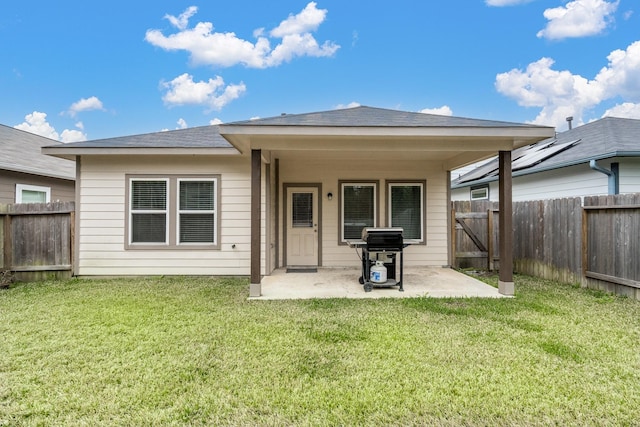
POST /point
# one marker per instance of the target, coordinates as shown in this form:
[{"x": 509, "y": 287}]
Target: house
[
  {"x": 249, "y": 197},
  {"x": 598, "y": 158},
  {"x": 27, "y": 175}
]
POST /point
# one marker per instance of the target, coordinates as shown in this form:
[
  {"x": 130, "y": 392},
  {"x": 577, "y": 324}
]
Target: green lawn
[{"x": 194, "y": 351}]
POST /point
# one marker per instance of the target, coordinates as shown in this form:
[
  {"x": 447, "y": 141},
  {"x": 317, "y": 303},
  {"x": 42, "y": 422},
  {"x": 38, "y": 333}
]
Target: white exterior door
[{"x": 302, "y": 226}]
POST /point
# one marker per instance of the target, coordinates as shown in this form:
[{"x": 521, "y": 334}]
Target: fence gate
[
  {"x": 474, "y": 235},
  {"x": 37, "y": 239}
]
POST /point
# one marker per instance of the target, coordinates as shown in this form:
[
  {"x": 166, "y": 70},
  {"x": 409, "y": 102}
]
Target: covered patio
[{"x": 433, "y": 282}]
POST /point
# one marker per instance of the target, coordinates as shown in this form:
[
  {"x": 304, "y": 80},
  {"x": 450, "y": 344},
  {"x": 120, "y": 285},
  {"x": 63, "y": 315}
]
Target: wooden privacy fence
[
  {"x": 37, "y": 239},
  {"x": 611, "y": 254},
  {"x": 595, "y": 242}
]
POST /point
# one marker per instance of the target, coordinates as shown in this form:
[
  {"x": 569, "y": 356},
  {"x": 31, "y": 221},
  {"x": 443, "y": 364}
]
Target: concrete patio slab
[{"x": 343, "y": 283}]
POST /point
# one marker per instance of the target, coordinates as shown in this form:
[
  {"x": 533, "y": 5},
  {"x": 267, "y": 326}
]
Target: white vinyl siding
[
  {"x": 102, "y": 212},
  {"x": 331, "y": 172}
]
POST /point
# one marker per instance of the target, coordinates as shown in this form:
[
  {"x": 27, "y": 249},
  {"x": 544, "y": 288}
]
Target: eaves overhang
[
  {"x": 246, "y": 137},
  {"x": 72, "y": 152}
]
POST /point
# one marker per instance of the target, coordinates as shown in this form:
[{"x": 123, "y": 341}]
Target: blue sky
[{"x": 76, "y": 69}]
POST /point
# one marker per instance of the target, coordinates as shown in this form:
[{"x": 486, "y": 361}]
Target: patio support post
[
  {"x": 505, "y": 279},
  {"x": 255, "y": 288}
]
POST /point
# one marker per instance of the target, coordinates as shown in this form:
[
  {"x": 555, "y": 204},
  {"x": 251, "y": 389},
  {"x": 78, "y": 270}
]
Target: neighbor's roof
[
  {"x": 601, "y": 139},
  {"x": 202, "y": 139},
  {"x": 21, "y": 151}
]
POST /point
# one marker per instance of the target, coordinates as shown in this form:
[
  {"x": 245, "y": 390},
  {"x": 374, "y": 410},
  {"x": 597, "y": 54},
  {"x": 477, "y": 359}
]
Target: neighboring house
[
  {"x": 599, "y": 158},
  {"x": 248, "y": 197},
  {"x": 27, "y": 175}
]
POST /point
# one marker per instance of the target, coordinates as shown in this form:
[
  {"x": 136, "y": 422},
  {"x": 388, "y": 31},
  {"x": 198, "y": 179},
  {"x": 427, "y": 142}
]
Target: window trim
[
  {"x": 173, "y": 189},
  {"x": 376, "y": 204},
  {"x": 476, "y": 188},
  {"x": 28, "y": 187},
  {"x": 423, "y": 204}
]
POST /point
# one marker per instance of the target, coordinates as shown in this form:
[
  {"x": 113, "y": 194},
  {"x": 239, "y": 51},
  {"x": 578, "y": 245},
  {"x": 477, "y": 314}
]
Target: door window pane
[{"x": 302, "y": 205}]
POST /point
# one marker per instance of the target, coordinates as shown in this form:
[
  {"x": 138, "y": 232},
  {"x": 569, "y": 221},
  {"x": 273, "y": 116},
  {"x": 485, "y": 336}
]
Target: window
[
  {"x": 197, "y": 211},
  {"x": 479, "y": 193},
  {"x": 32, "y": 194},
  {"x": 405, "y": 201},
  {"x": 172, "y": 212},
  {"x": 358, "y": 208},
  {"x": 149, "y": 213}
]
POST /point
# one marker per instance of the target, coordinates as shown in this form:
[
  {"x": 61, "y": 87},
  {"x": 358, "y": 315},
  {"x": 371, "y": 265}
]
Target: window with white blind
[
  {"x": 358, "y": 201},
  {"x": 148, "y": 210},
  {"x": 173, "y": 212},
  {"x": 405, "y": 201},
  {"x": 196, "y": 212}
]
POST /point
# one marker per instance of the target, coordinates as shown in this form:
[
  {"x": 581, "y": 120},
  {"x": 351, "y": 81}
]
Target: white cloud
[
  {"x": 85, "y": 104},
  {"x": 562, "y": 93},
  {"x": 37, "y": 123},
  {"x": 440, "y": 111},
  {"x": 212, "y": 93},
  {"x": 182, "y": 123},
  {"x": 182, "y": 21},
  {"x": 500, "y": 3},
  {"x": 72, "y": 136},
  {"x": 349, "y": 105},
  {"x": 215, "y": 121},
  {"x": 227, "y": 49},
  {"x": 627, "y": 110},
  {"x": 578, "y": 18}
]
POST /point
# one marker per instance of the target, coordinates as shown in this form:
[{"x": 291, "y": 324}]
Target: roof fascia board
[
  {"x": 71, "y": 153},
  {"x": 39, "y": 172},
  {"x": 515, "y": 133}
]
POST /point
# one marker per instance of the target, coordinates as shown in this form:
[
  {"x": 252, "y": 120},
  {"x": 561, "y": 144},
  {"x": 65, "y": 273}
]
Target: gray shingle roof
[
  {"x": 20, "y": 151},
  {"x": 600, "y": 139},
  {"x": 373, "y": 117},
  {"x": 196, "y": 137}
]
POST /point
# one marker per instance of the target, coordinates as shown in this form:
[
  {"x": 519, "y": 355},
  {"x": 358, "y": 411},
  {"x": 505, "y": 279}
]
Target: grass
[{"x": 194, "y": 351}]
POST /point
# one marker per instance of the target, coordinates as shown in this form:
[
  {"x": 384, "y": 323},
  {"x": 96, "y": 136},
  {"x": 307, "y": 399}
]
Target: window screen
[
  {"x": 406, "y": 209},
  {"x": 358, "y": 209}
]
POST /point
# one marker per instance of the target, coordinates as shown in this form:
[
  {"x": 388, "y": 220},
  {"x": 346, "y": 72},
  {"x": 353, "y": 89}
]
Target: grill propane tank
[{"x": 378, "y": 273}]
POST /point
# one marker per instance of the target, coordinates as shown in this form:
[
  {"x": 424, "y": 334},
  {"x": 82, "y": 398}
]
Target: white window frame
[
  {"x": 172, "y": 215},
  {"x": 154, "y": 211},
  {"x": 213, "y": 211},
  {"x": 343, "y": 184},
  {"x": 481, "y": 193},
  {"x": 36, "y": 188},
  {"x": 420, "y": 185}
]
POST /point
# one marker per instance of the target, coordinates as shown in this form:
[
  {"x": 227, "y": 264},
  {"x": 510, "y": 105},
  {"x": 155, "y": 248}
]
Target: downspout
[{"x": 613, "y": 174}]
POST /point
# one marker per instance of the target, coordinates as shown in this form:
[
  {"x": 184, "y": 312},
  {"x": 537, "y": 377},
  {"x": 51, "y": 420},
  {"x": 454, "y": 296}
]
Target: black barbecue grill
[{"x": 382, "y": 245}]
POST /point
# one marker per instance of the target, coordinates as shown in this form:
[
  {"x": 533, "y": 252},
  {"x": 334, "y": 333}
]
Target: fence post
[
  {"x": 6, "y": 244},
  {"x": 454, "y": 258},
  {"x": 490, "y": 239}
]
